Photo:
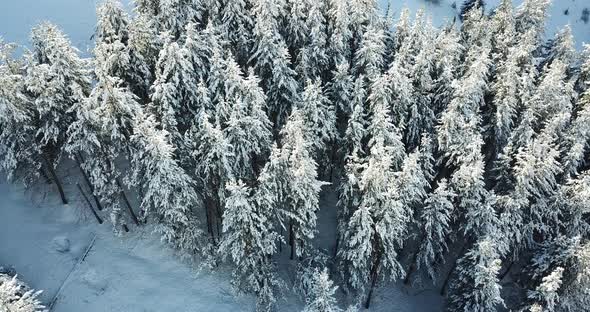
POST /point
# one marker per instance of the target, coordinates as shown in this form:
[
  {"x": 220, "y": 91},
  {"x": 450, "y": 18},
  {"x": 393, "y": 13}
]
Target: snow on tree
[
  {"x": 411, "y": 182},
  {"x": 578, "y": 133},
  {"x": 531, "y": 15},
  {"x": 341, "y": 91},
  {"x": 15, "y": 296},
  {"x": 147, "y": 7},
  {"x": 248, "y": 130},
  {"x": 477, "y": 287},
  {"x": 271, "y": 60},
  {"x": 373, "y": 234},
  {"x": 318, "y": 115},
  {"x": 340, "y": 31},
  {"x": 459, "y": 129},
  {"x": 322, "y": 294},
  {"x": 446, "y": 58},
  {"x": 173, "y": 94},
  {"x": 19, "y": 156},
  {"x": 421, "y": 116},
  {"x": 143, "y": 45},
  {"x": 546, "y": 294},
  {"x": 56, "y": 79},
  {"x": 297, "y": 30},
  {"x": 303, "y": 186},
  {"x": 382, "y": 130},
  {"x": 356, "y": 128},
  {"x": 369, "y": 59},
  {"x": 169, "y": 197},
  {"x": 236, "y": 25},
  {"x": 100, "y": 133},
  {"x": 503, "y": 25},
  {"x": 469, "y": 5},
  {"x": 313, "y": 58},
  {"x": 210, "y": 154},
  {"x": 561, "y": 47},
  {"x": 249, "y": 242},
  {"x": 435, "y": 220},
  {"x": 174, "y": 15}
]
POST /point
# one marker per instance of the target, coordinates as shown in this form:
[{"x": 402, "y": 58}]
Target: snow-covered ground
[{"x": 61, "y": 249}]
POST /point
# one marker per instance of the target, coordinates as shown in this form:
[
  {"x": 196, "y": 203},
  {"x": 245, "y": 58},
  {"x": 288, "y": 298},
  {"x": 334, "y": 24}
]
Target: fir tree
[
  {"x": 57, "y": 78},
  {"x": 16, "y": 296},
  {"x": 477, "y": 287},
  {"x": 169, "y": 197},
  {"x": 249, "y": 242},
  {"x": 322, "y": 294},
  {"x": 435, "y": 220}
]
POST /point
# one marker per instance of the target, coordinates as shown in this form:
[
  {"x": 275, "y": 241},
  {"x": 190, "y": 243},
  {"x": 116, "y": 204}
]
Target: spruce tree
[{"x": 249, "y": 242}]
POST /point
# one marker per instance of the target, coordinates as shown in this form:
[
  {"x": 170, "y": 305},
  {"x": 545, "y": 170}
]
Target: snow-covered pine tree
[
  {"x": 373, "y": 234},
  {"x": 446, "y": 60},
  {"x": 210, "y": 154},
  {"x": 20, "y": 158},
  {"x": 547, "y": 294},
  {"x": 174, "y": 15},
  {"x": 578, "y": 134},
  {"x": 236, "y": 24},
  {"x": 249, "y": 242},
  {"x": 174, "y": 96},
  {"x": 531, "y": 15},
  {"x": 469, "y": 5},
  {"x": 297, "y": 30},
  {"x": 339, "y": 30},
  {"x": 369, "y": 59},
  {"x": 356, "y": 126},
  {"x": 143, "y": 47},
  {"x": 319, "y": 118},
  {"x": 168, "y": 198},
  {"x": 56, "y": 79},
  {"x": 322, "y": 294},
  {"x": 477, "y": 287},
  {"x": 248, "y": 130},
  {"x": 112, "y": 36},
  {"x": 312, "y": 61},
  {"x": 16, "y": 296},
  {"x": 435, "y": 222},
  {"x": 382, "y": 130},
  {"x": 303, "y": 188},
  {"x": 503, "y": 25},
  {"x": 272, "y": 61},
  {"x": 421, "y": 116},
  {"x": 99, "y": 135},
  {"x": 147, "y": 7}
]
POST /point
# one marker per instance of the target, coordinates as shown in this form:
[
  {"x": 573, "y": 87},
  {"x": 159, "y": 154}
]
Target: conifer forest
[{"x": 457, "y": 157}]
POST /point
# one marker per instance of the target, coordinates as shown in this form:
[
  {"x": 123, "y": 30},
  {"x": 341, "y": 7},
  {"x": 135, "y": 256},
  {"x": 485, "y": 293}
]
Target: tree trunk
[
  {"x": 336, "y": 246},
  {"x": 89, "y": 204},
  {"x": 56, "y": 180},
  {"x": 374, "y": 272},
  {"x": 44, "y": 176},
  {"x": 131, "y": 212},
  {"x": 79, "y": 160},
  {"x": 443, "y": 290}
]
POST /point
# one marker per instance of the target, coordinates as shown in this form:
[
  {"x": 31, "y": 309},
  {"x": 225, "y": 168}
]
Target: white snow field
[{"x": 46, "y": 242}]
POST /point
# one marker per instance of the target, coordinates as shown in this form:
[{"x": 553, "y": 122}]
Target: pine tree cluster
[{"x": 459, "y": 154}]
